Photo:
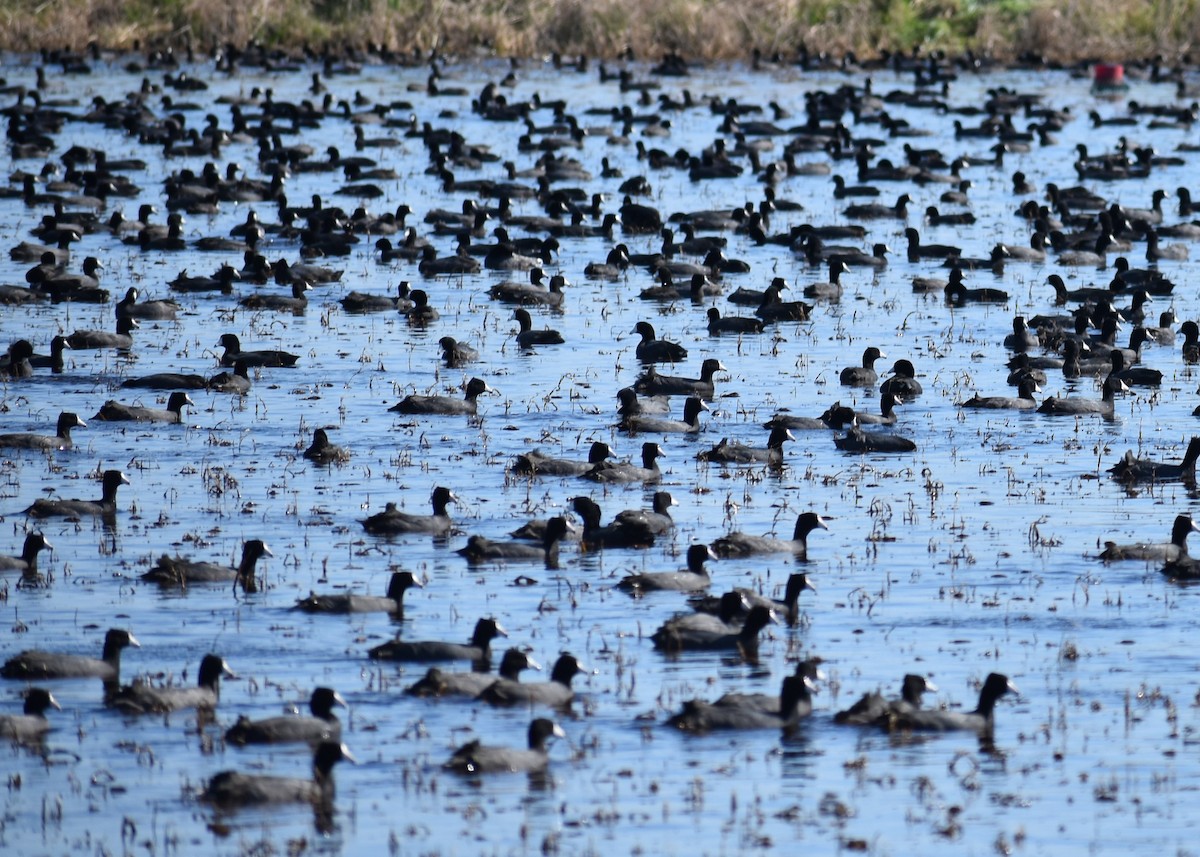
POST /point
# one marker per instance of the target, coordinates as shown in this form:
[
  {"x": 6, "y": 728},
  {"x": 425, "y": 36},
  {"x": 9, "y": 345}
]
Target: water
[{"x": 969, "y": 556}]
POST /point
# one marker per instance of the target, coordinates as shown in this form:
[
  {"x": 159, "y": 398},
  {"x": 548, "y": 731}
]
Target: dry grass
[{"x": 1064, "y": 30}]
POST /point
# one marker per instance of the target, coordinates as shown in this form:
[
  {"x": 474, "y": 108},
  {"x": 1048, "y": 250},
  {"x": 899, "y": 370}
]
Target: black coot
[
  {"x": 1172, "y": 551},
  {"x": 30, "y": 726},
  {"x": 477, "y": 651},
  {"x": 231, "y": 790},
  {"x": 36, "y": 664},
  {"x": 60, "y": 440},
  {"x": 871, "y": 707},
  {"x": 26, "y": 563},
  {"x": 345, "y": 602},
  {"x": 1132, "y": 469},
  {"x": 114, "y": 411},
  {"x": 142, "y": 698},
  {"x": 624, "y": 471},
  {"x": 480, "y": 549},
  {"x": 940, "y": 720},
  {"x": 266, "y": 357},
  {"x": 478, "y": 758},
  {"x": 439, "y": 683},
  {"x": 700, "y": 716},
  {"x": 180, "y": 571},
  {"x": 105, "y": 507},
  {"x": 323, "y": 725},
  {"x": 445, "y": 405},
  {"x": 738, "y": 544},
  {"x": 694, "y": 578},
  {"x": 674, "y": 638},
  {"x": 392, "y": 522},
  {"x": 537, "y": 463},
  {"x": 556, "y": 693}
]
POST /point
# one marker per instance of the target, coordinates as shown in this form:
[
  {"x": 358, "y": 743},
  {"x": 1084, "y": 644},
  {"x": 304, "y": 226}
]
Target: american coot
[
  {"x": 16, "y": 363},
  {"x": 676, "y": 638},
  {"x": 478, "y": 758},
  {"x": 653, "y": 350},
  {"x": 871, "y": 707},
  {"x": 832, "y": 289},
  {"x": 773, "y": 308},
  {"x": 1133, "y": 376},
  {"x": 480, "y": 550},
  {"x": 82, "y": 340},
  {"x": 527, "y": 337},
  {"x": 726, "y": 452},
  {"x": 1131, "y": 469},
  {"x": 809, "y": 670},
  {"x": 693, "y": 579},
  {"x": 690, "y": 424},
  {"x": 726, "y": 614},
  {"x": 445, "y": 405},
  {"x": 296, "y": 302},
  {"x": 624, "y": 471},
  {"x": 31, "y": 726},
  {"x": 940, "y": 720},
  {"x": 903, "y": 382},
  {"x": 392, "y": 522},
  {"x": 556, "y": 693},
  {"x": 537, "y": 463},
  {"x": 323, "y": 725},
  {"x": 166, "y": 381},
  {"x": 700, "y": 716},
  {"x": 834, "y": 417},
  {"x": 230, "y": 790},
  {"x": 142, "y": 698},
  {"x": 345, "y": 602},
  {"x": 789, "y": 605},
  {"x": 857, "y": 440},
  {"x": 113, "y": 411},
  {"x": 1078, "y": 406},
  {"x": 478, "y": 651},
  {"x": 236, "y": 382},
  {"x": 1170, "y": 551},
  {"x": 456, "y": 354},
  {"x": 36, "y": 664},
  {"x": 105, "y": 507},
  {"x": 267, "y": 357},
  {"x": 26, "y": 563},
  {"x": 738, "y": 544},
  {"x": 323, "y": 451},
  {"x": 179, "y": 571},
  {"x": 358, "y": 302},
  {"x": 864, "y": 375},
  {"x": 650, "y": 383},
  {"x": 631, "y": 532},
  {"x": 438, "y": 683},
  {"x": 160, "y": 310},
  {"x": 656, "y": 520},
  {"x": 1023, "y": 401},
  {"x": 630, "y": 406},
  {"x": 60, "y": 440},
  {"x": 731, "y": 324}
]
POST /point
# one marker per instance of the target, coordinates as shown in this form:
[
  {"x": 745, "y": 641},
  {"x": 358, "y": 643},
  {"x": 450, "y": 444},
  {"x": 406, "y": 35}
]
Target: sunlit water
[{"x": 969, "y": 556}]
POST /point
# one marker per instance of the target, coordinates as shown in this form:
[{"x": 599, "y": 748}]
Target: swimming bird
[
  {"x": 651, "y": 383},
  {"x": 1131, "y": 469},
  {"x": 114, "y": 411},
  {"x": 234, "y": 354},
  {"x": 864, "y": 375},
  {"x": 324, "y": 451},
  {"x": 1170, "y": 551},
  {"x": 347, "y": 602},
  {"x": 537, "y": 463},
  {"x": 159, "y": 310},
  {"x": 480, "y": 549},
  {"x": 693, "y": 578},
  {"x": 690, "y": 424},
  {"x": 61, "y": 439},
  {"x": 1077, "y": 405},
  {"x": 653, "y": 350},
  {"x": 677, "y": 638},
  {"x": 857, "y": 440},
  {"x": 981, "y": 720},
  {"x": 393, "y": 522},
  {"x": 35, "y": 664},
  {"x": 105, "y": 507},
  {"x": 122, "y": 340},
  {"x": 738, "y": 544},
  {"x": 183, "y": 572},
  {"x": 437, "y": 683},
  {"x": 445, "y": 405},
  {"x": 629, "y": 532},
  {"x": 624, "y": 471},
  {"x": 476, "y": 757},
  {"x": 555, "y": 693},
  {"x": 872, "y": 707},
  {"x": 527, "y": 337},
  {"x": 26, "y": 563},
  {"x": 1023, "y": 401},
  {"x": 789, "y": 605},
  {"x": 231, "y": 790},
  {"x": 699, "y": 716},
  {"x": 322, "y": 725},
  {"x": 726, "y": 452},
  {"x": 478, "y": 650}
]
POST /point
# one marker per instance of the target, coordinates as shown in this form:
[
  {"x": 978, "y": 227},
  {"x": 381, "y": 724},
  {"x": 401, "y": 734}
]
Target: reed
[{"x": 1060, "y": 30}]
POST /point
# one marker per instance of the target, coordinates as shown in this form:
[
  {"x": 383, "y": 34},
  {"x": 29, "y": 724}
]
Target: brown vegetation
[{"x": 1063, "y": 30}]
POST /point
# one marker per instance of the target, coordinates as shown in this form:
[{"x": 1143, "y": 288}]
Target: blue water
[{"x": 969, "y": 556}]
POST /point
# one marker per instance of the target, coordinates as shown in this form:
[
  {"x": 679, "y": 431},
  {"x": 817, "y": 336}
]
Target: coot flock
[{"x": 251, "y": 199}]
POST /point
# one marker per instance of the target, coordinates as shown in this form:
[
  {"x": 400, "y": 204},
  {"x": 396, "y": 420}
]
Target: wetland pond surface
[{"x": 974, "y": 554}]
